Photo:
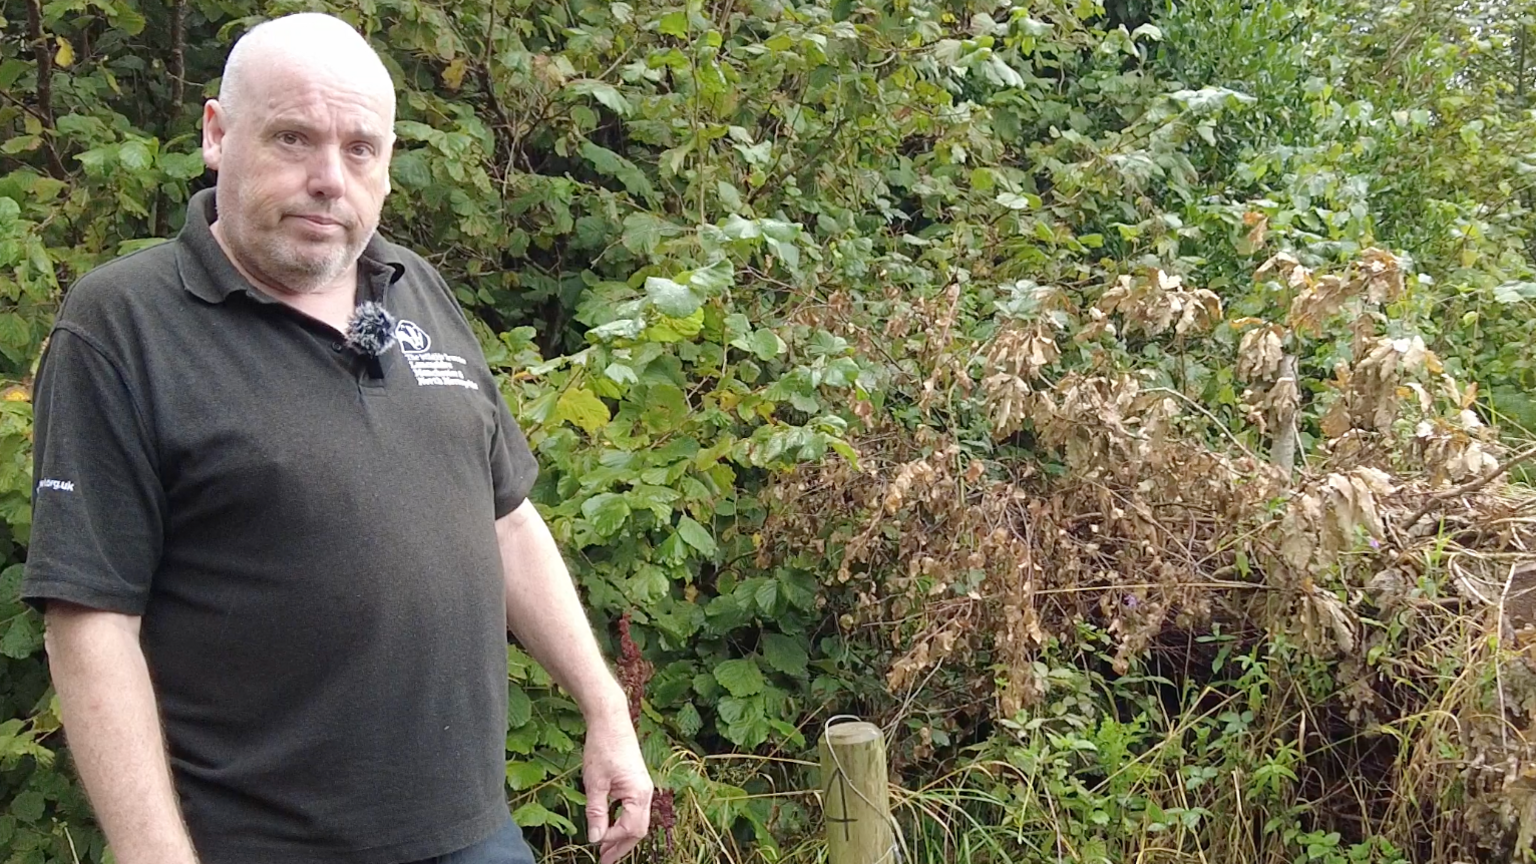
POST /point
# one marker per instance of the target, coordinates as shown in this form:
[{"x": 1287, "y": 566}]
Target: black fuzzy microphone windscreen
[{"x": 371, "y": 331}]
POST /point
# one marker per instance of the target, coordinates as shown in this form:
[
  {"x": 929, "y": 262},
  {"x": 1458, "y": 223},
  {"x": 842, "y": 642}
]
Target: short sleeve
[
  {"x": 98, "y": 505},
  {"x": 513, "y": 468}
]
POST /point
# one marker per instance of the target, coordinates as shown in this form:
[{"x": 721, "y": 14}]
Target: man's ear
[{"x": 215, "y": 126}]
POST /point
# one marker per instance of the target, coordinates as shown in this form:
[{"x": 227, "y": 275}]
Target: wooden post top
[{"x": 852, "y": 733}]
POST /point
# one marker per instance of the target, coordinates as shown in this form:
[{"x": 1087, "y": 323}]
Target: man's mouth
[{"x": 320, "y": 221}]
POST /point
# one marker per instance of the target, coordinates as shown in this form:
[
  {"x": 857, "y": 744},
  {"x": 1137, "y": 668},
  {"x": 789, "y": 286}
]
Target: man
[{"x": 279, "y": 551}]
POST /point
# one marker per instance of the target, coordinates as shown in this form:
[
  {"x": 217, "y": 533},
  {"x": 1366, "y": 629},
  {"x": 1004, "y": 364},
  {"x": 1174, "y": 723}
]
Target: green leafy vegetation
[{"x": 932, "y": 361}]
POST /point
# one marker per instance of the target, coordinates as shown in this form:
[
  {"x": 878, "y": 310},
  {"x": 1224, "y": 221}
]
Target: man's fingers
[
  {"x": 633, "y": 824},
  {"x": 597, "y": 814},
  {"x": 625, "y": 834}
]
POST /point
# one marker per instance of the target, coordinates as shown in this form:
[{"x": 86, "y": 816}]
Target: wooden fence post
[{"x": 855, "y": 795}]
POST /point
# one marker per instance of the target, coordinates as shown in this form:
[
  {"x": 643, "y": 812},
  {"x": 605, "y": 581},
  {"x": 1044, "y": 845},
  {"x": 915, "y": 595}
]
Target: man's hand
[{"x": 614, "y": 770}]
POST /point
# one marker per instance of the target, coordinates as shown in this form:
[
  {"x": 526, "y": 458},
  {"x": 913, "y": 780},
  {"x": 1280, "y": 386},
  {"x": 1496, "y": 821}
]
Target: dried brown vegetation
[{"x": 1391, "y": 559}]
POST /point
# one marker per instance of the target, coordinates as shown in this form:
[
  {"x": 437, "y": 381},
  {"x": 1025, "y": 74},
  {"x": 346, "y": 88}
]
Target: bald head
[
  {"x": 300, "y": 137},
  {"x": 319, "y": 45}
]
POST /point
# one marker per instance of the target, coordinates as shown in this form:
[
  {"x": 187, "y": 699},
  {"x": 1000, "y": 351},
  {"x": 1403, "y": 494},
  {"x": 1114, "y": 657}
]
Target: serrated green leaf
[
  {"x": 578, "y": 405},
  {"x": 622, "y": 373},
  {"x": 1014, "y": 201},
  {"x": 767, "y": 597},
  {"x": 786, "y": 654},
  {"x": 766, "y": 344},
  {"x": 28, "y": 807},
  {"x": 519, "y": 706},
  {"x": 688, "y": 720},
  {"x": 696, "y": 535},
  {"x": 740, "y": 677},
  {"x": 182, "y": 166},
  {"x": 10, "y": 582},
  {"x": 713, "y": 279},
  {"x": 135, "y": 156},
  {"x": 672, "y": 299},
  {"x": 525, "y": 775},
  {"x": 410, "y": 170},
  {"x": 1515, "y": 292},
  {"x": 674, "y": 24},
  {"x": 606, "y": 94},
  {"x": 607, "y": 512},
  {"x": 534, "y": 814},
  {"x": 22, "y": 638}
]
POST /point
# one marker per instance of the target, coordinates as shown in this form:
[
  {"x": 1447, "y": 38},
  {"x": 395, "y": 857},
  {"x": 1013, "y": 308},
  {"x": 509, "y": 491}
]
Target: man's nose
[{"x": 327, "y": 179}]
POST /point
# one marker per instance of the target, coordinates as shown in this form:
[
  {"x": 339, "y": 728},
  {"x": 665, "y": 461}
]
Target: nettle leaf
[
  {"x": 607, "y": 512},
  {"x": 581, "y": 407},
  {"x": 740, "y": 677},
  {"x": 786, "y": 654},
  {"x": 673, "y": 299},
  {"x": 697, "y": 536}
]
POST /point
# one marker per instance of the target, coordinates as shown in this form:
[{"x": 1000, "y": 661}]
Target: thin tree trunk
[
  {"x": 1287, "y": 439},
  {"x": 178, "y": 67}
]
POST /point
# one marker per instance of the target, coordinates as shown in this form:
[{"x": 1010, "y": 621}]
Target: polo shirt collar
[{"x": 207, "y": 273}]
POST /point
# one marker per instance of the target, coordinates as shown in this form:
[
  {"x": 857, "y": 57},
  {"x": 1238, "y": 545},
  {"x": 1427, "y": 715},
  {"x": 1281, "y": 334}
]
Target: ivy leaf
[
  {"x": 606, "y": 512},
  {"x": 740, "y": 677},
  {"x": 696, "y": 535},
  {"x": 673, "y": 299},
  {"x": 580, "y": 406},
  {"x": 786, "y": 654}
]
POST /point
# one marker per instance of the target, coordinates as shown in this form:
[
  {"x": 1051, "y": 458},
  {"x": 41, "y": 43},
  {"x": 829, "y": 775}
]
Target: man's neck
[{"x": 331, "y": 304}]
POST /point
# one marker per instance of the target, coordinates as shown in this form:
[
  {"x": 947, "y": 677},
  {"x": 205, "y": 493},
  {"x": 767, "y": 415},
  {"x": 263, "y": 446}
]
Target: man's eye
[
  {"x": 362, "y": 151},
  {"x": 289, "y": 138}
]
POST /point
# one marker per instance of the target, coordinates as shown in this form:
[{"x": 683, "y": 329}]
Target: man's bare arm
[
  {"x": 545, "y": 613},
  {"x": 113, "y": 730}
]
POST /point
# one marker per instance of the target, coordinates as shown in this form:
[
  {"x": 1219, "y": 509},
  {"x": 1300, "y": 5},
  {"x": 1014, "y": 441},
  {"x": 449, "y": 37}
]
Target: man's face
[{"x": 303, "y": 170}]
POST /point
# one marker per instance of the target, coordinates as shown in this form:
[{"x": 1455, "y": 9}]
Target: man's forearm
[
  {"x": 113, "y": 730},
  {"x": 545, "y": 613}
]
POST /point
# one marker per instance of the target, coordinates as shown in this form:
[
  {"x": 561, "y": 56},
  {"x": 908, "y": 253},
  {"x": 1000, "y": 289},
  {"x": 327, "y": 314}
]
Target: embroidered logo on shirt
[
  {"x": 413, "y": 339},
  {"x": 60, "y": 485},
  {"x": 432, "y": 369}
]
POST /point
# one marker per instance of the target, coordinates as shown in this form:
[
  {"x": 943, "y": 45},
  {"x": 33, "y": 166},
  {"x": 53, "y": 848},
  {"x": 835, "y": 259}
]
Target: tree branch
[
  {"x": 1469, "y": 488},
  {"x": 43, "y": 58},
  {"x": 178, "y": 65}
]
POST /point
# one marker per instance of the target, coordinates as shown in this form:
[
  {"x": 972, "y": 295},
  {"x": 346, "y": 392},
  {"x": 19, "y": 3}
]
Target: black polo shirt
[{"x": 308, "y": 536}]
